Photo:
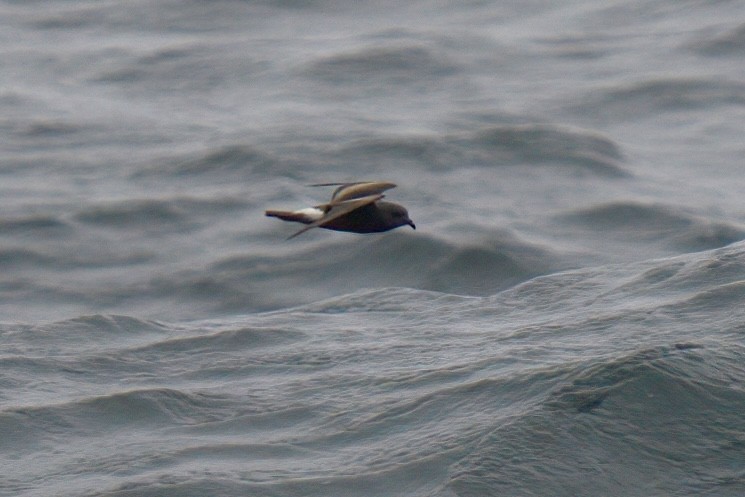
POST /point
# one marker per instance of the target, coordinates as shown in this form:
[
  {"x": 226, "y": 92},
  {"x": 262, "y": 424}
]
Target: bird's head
[{"x": 400, "y": 216}]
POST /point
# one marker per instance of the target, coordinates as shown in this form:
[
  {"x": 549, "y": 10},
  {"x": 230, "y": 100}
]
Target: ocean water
[{"x": 567, "y": 319}]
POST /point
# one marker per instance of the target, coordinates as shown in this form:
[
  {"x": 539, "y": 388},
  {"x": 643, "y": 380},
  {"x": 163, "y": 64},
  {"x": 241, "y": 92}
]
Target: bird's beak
[{"x": 411, "y": 223}]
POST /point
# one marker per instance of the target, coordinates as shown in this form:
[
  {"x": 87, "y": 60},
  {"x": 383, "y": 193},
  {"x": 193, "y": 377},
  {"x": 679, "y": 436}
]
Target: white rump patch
[{"x": 311, "y": 213}]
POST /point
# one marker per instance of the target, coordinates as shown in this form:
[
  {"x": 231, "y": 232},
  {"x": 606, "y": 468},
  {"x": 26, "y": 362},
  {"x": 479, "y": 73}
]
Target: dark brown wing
[{"x": 338, "y": 209}]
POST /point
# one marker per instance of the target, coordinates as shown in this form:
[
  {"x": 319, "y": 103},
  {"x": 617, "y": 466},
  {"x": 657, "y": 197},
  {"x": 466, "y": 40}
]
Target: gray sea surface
[{"x": 566, "y": 320}]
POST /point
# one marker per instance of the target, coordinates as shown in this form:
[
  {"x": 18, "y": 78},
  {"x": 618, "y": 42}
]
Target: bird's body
[{"x": 354, "y": 207}]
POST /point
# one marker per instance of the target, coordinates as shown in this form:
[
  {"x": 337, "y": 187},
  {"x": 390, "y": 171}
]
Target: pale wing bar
[
  {"x": 339, "y": 209},
  {"x": 349, "y": 191}
]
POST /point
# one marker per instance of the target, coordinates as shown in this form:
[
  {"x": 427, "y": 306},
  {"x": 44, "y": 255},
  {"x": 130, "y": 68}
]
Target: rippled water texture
[{"x": 565, "y": 320}]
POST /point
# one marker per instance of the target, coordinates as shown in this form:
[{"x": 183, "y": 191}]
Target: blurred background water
[{"x": 566, "y": 320}]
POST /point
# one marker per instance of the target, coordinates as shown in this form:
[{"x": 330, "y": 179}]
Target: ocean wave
[
  {"x": 382, "y": 300},
  {"x": 104, "y": 326},
  {"x": 553, "y": 144},
  {"x": 497, "y": 146},
  {"x": 230, "y": 339},
  {"x": 15, "y": 258},
  {"x": 49, "y": 129},
  {"x": 159, "y": 406},
  {"x": 38, "y": 225},
  {"x": 633, "y": 414},
  {"x": 656, "y": 223},
  {"x": 153, "y": 214},
  {"x": 427, "y": 150},
  {"x": 182, "y": 68},
  {"x": 76, "y": 335},
  {"x": 649, "y": 98},
  {"x": 624, "y": 369},
  {"x": 731, "y": 42},
  {"x": 589, "y": 387},
  {"x": 221, "y": 163},
  {"x": 177, "y": 214},
  {"x": 424, "y": 262},
  {"x": 393, "y": 64}
]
